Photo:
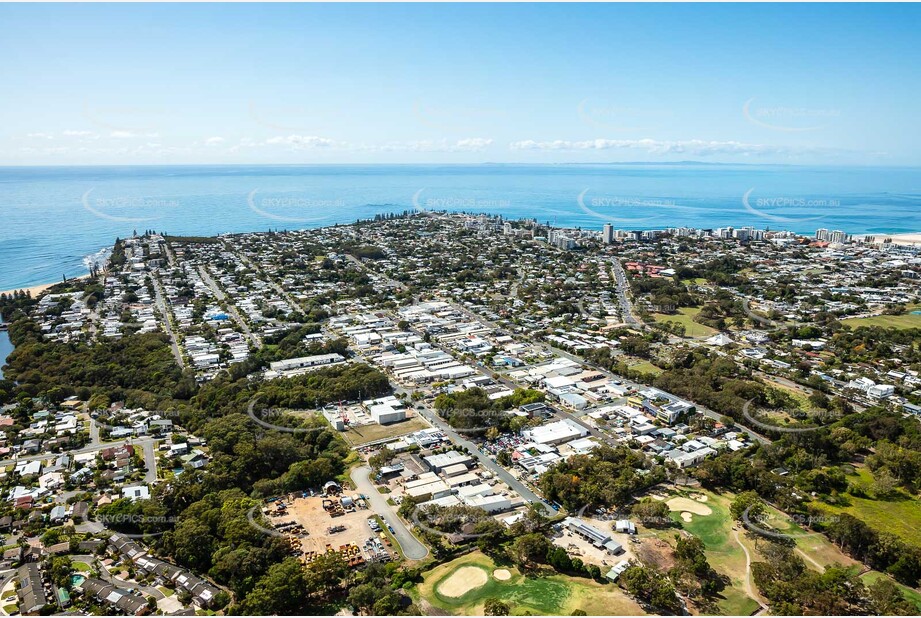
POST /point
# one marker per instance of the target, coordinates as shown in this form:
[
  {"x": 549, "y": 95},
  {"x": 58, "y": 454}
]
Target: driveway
[{"x": 412, "y": 548}]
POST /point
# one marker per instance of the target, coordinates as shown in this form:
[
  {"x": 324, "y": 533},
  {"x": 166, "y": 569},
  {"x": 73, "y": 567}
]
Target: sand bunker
[
  {"x": 686, "y": 516},
  {"x": 502, "y": 574},
  {"x": 701, "y": 497},
  {"x": 462, "y": 581},
  {"x": 692, "y": 506}
]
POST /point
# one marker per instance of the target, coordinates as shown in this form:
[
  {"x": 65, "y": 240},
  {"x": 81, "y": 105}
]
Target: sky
[{"x": 447, "y": 83}]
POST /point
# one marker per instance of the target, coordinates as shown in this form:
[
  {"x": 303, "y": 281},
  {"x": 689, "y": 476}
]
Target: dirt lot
[
  {"x": 591, "y": 554},
  {"x": 370, "y": 432},
  {"x": 316, "y": 522},
  {"x": 655, "y": 552}
]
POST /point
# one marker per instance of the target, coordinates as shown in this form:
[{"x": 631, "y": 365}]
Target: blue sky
[{"x": 443, "y": 83}]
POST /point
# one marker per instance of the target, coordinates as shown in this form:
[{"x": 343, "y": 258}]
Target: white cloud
[
  {"x": 659, "y": 147},
  {"x": 214, "y": 140},
  {"x": 473, "y": 144},
  {"x": 40, "y": 135},
  {"x": 73, "y": 133},
  {"x": 131, "y": 135},
  {"x": 302, "y": 142}
]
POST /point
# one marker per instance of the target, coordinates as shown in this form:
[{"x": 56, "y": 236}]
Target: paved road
[
  {"x": 635, "y": 385},
  {"x": 150, "y": 461},
  {"x": 359, "y": 263},
  {"x": 231, "y": 308},
  {"x": 626, "y": 307},
  {"x": 86, "y": 449},
  {"x": 487, "y": 463},
  {"x": 167, "y": 316},
  {"x": 292, "y": 302},
  {"x": 412, "y": 548},
  {"x": 106, "y": 575}
]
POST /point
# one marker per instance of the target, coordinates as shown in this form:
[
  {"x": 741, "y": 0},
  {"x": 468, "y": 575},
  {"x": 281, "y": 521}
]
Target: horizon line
[{"x": 484, "y": 163}]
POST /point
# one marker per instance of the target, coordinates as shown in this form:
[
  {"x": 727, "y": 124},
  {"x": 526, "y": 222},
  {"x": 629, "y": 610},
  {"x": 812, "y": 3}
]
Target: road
[
  {"x": 219, "y": 294},
  {"x": 167, "y": 316},
  {"x": 86, "y": 449},
  {"x": 410, "y": 545},
  {"x": 358, "y": 263},
  {"x": 634, "y": 385},
  {"x": 487, "y": 463},
  {"x": 150, "y": 461},
  {"x": 626, "y": 307},
  {"x": 292, "y": 302}
]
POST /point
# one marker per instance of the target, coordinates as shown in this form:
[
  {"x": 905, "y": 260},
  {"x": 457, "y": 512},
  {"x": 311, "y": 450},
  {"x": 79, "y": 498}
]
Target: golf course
[{"x": 460, "y": 587}]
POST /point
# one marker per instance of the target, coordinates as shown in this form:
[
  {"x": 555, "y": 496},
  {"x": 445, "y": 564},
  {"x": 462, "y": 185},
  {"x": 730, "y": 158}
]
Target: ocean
[{"x": 54, "y": 221}]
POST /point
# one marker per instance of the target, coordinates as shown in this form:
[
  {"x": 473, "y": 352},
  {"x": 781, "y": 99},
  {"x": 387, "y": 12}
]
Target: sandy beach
[
  {"x": 35, "y": 290},
  {"x": 913, "y": 238}
]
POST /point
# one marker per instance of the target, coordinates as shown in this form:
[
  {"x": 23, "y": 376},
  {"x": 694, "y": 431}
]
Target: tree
[
  {"x": 529, "y": 548},
  {"x": 747, "y": 501},
  {"x": 380, "y": 459},
  {"x": 327, "y": 571},
  {"x": 280, "y": 591},
  {"x": 887, "y": 600},
  {"x": 652, "y": 513},
  {"x": 495, "y": 607}
]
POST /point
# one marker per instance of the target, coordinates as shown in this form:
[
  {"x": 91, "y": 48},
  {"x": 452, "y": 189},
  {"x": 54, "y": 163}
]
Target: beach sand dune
[
  {"x": 913, "y": 238},
  {"x": 36, "y": 290}
]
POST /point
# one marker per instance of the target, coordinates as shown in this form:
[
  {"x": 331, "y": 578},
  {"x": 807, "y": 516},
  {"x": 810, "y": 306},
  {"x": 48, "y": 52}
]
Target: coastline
[
  {"x": 36, "y": 290},
  {"x": 908, "y": 239}
]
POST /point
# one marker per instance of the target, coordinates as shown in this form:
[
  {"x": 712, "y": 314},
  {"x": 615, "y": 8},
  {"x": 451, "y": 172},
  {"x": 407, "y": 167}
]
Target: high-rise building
[
  {"x": 821, "y": 234},
  {"x": 607, "y": 234}
]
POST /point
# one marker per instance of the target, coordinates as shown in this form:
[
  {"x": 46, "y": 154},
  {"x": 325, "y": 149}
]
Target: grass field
[
  {"x": 910, "y": 593},
  {"x": 550, "y": 595},
  {"x": 723, "y": 552},
  {"x": 908, "y": 320},
  {"x": 685, "y": 316},
  {"x": 644, "y": 366},
  {"x": 815, "y": 548},
  {"x": 900, "y": 515},
  {"x": 82, "y": 566},
  {"x": 369, "y": 433}
]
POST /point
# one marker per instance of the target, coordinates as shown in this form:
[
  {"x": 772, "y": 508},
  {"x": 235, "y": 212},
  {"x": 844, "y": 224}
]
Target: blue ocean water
[{"x": 53, "y": 218}]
